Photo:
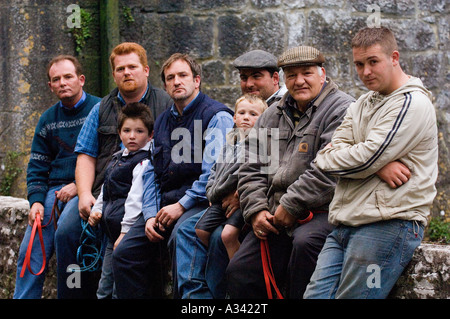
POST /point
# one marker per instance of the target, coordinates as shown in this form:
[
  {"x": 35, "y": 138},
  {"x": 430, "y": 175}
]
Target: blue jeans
[
  {"x": 200, "y": 269},
  {"x": 364, "y": 262},
  {"x": 106, "y": 289},
  {"x": 30, "y": 286}
]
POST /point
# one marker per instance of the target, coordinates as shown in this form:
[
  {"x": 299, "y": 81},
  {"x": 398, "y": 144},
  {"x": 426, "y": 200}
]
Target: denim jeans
[
  {"x": 216, "y": 265},
  {"x": 106, "y": 288},
  {"x": 200, "y": 269},
  {"x": 30, "y": 286},
  {"x": 364, "y": 262}
]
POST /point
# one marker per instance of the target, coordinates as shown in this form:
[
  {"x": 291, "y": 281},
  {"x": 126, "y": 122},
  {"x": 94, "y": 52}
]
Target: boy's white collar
[{"x": 145, "y": 148}]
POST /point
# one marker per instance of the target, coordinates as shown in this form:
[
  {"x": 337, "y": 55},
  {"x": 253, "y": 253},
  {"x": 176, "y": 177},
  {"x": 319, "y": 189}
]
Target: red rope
[
  {"x": 26, "y": 263},
  {"x": 38, "y": 227},
  {"x": 269, "y": 277}
]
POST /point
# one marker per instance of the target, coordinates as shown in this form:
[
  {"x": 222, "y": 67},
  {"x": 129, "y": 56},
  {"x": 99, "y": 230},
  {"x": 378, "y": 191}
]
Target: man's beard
[{"x": 128, "y": 86}]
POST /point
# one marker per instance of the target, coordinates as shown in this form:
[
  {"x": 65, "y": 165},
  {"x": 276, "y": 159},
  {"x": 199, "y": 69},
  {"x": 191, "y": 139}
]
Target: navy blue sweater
[{"x": 52, "y": 160}]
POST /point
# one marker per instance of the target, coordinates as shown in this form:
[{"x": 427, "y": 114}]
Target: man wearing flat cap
[
  {"x": 205, "y": 278},
  {"x": 259, "y": 74},
  {"x": 288, "y": 206}
]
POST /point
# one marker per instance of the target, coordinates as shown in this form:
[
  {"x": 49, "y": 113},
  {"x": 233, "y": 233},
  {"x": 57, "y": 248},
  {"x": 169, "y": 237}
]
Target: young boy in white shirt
[{"x": 120, "y": 201}]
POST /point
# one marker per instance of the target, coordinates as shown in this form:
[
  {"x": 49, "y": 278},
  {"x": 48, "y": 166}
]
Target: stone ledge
[
  {"x": 13, "y": 223},
  {"x": 426, "y": 277}
]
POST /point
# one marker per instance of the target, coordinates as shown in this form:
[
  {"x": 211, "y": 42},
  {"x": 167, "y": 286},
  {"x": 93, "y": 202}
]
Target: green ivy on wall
[
  {"x": 81, "y": 34},
  {"x": 11, "y": 171}
]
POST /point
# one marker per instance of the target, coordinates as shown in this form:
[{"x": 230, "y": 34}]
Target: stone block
[
  {"x": 162, "y": 35},
  {"x": 13, "y": 223},
  {"x": 331, "y": 30},
  {"x": 257, "y": 31},
  {"x": 427, "y": 276},
  {"x": 230, "y": 5},
  {"x": 213, "y": 73},
  {"x": 411, "y": 35}
]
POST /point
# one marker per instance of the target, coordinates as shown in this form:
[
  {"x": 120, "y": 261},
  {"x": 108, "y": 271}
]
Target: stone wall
[
  {"x": 426, "y": 277},
  {"x": 13, "y": 223},
  {"x": 215, "y": 32},
  {"x": 31, "y": 33}
]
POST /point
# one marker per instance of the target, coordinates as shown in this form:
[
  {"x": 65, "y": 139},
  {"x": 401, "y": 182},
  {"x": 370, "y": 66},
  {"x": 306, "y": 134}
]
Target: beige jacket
[{"x": 377, "y": 130}]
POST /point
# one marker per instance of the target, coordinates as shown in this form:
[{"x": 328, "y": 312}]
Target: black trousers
[
  {"x": 139, "y": 265},
  {"x": 293, "y": 261}
]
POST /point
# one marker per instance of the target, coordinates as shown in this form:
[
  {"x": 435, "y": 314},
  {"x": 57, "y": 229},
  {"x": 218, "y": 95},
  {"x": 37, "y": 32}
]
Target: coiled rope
[{"x": 91, "y": 249}]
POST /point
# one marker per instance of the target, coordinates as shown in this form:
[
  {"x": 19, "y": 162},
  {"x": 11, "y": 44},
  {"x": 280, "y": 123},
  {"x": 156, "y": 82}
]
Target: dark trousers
[
  {"x": 139, "y": 265},
  {"x": 67, "y": 242},
  {"x": 293, "y": 261}
]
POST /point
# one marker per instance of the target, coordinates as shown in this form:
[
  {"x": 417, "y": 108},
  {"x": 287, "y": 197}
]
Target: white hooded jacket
[{"x": 377, "y": 130}]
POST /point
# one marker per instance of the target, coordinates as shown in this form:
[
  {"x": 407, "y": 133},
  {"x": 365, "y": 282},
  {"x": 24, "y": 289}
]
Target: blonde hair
[{"x": 253, "y": 99}]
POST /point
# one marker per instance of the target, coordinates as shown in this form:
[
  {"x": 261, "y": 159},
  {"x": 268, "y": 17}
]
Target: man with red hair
[{"x": 97, "y": 141}]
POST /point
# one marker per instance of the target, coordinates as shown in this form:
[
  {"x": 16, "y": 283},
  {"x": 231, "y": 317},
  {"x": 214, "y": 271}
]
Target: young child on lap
[{"x": 221, "y": 189}]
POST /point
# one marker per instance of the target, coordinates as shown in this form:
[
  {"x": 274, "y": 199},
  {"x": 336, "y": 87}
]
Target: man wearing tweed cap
[{"x": 288, "y": 208}]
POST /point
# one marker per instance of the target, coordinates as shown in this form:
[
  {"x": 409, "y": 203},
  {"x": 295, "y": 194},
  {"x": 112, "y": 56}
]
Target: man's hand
[
  {"x": 67, "y": 192},
  {"x": 395, "y": 174},
  {"x": 283, "y": 218},
  {"x": 230, "y": 203},
  {"x": 262, "y": 224},
  {"x": 35, "y": 208},
  {"x": 169, "y": 214},
  {"x": 151, "y": 232},
  {"x": 85, "y": 202}
]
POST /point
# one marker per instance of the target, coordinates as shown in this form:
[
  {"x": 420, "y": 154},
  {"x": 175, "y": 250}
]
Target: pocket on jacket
[
  {"x": 278, "y": 136},
  {"x": 306, "y": 141},
  {"x": 390, "y": 201},
  {"x": 380, "y": 203},
  {"x": 276, "y": 133}
]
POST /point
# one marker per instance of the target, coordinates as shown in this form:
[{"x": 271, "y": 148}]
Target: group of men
[{"x": 352, "y": 184}]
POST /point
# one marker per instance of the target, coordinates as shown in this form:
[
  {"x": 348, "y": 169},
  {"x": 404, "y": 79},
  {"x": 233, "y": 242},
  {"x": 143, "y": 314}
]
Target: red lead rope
[
  {"x": 38, "y": 227},
  {"x": 26, "y": 262},
  {"x": 269, "y": 277}
]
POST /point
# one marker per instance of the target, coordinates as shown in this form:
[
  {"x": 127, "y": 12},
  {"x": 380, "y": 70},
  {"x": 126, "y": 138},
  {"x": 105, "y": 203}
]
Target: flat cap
[
  {"x": 302, "y": 55},
  {"x": 256, "y": 59}
]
